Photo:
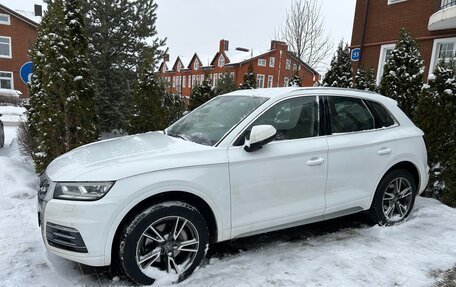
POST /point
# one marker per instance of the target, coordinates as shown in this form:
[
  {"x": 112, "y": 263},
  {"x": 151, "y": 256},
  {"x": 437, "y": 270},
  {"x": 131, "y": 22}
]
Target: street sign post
[{"x": 26, "y": 72}]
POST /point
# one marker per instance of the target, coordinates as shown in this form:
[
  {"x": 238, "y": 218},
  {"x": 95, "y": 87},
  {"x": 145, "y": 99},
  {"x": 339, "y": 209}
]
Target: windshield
[{"x": 210, "y": 122}]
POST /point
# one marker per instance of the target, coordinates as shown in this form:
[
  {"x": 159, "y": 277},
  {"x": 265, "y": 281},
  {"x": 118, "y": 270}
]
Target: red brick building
[
  {"x": 17, "y": 35},
  {"x": 273, "y": 68},
  {"x": 377, "y": 25}
]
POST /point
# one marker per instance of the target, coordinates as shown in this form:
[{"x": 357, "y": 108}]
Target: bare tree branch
[{"x": 303, "y": 31}]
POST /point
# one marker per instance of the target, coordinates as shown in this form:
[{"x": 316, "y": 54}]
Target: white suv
[{"x": 244, "y": 163}]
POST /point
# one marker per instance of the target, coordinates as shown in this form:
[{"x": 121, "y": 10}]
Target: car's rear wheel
[
  {"x": 169, "y": 237},
  {"x": 394, "y": 198}
]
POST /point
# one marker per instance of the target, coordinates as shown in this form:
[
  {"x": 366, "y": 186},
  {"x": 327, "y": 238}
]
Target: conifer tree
[
  {"x": 201, "y": 94},
  {"x": 225, "y": 84},
  {"x": 146, "y": 111},
  {"x": 295, "y": 81},
  {"x": 249, "y": 79},
  {"x": 80, "y": 110},
  {"x": 173, "y": 108},
  {"x": 402, "y": 77},
  {"x": 365, "y": 80},
  {"x": 340, "y": 72},
  {"x": 435, "y": 116},
  {"x": 119, "y": 32},
  {"x": 61, "y": 105}
]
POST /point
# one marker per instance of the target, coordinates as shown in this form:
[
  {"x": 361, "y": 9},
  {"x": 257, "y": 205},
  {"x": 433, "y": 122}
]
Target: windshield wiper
[{"x": 177, "y": 136}]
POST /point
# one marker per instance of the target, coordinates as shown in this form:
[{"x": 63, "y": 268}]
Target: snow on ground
[
  {"x": 11, "y": 114},
  {"x": 352, "y": 255}
]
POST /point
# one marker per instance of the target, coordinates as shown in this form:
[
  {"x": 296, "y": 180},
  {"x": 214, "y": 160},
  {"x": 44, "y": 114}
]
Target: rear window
[
  {"x": 383, "y": 117},
  {"x": 349, "y": 115}
]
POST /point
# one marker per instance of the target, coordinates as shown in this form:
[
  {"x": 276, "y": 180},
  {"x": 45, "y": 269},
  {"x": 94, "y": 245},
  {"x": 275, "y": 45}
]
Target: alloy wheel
[
  {"x": 170, "y": 244},
  {"x": 397, "y": 199}
]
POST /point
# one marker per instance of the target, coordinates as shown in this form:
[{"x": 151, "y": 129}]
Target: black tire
[
  {"x": 380, "y": 201},
  {"x": 133, "y": 237}
]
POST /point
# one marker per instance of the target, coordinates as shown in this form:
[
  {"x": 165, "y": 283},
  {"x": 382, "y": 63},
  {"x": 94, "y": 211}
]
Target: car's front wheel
[
  {"x": 169, "y": 237},
  {"x": 394, "y": 198}
]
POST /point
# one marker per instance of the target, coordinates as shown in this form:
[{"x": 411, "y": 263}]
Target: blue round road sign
[
  {"x": 26, "y": 72},
  {"x": 355, "y": 53}
]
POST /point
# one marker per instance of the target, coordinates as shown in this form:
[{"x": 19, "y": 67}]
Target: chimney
[
  {"x": 223, "y": 45},
  {"x": 275, "y": 44},
  {"x": 38, "y": 10}
]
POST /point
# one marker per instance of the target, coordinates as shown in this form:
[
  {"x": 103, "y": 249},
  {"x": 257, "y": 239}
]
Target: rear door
[{"x": 359, "y": 147}]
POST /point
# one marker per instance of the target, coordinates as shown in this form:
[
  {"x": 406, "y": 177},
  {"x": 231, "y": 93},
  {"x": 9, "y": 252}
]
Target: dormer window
[
  {"x": 221, "y": 61},
  {"x": 196, "y": 64},
  {"x": 179, "y": 66}
]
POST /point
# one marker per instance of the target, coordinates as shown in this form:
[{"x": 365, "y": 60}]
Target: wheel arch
[
  {"x": 404, "y": 164},
  {"x": 198, "y": 202}
]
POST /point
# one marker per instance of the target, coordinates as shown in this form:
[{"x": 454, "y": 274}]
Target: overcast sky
[{"x": 198, "y": 25}]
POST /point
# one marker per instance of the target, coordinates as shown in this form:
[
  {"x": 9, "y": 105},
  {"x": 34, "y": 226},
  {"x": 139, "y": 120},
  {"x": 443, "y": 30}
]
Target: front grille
[{"x": 66, "y": 238}]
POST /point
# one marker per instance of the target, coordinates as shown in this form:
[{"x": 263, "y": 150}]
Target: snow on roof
[
  {"x": 26, "y": 16},
  {"x": 205, "y": 59},
  {"x": 236, "y": 56},
  {"x": 10, "y": 93}
]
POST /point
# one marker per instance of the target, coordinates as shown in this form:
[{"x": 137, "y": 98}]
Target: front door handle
[
  {"x": 384, "y": 150},
  {"x": 315, "y": 161}
]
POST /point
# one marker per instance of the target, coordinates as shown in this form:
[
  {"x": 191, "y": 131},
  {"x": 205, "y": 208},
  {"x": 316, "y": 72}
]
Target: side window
[
  {"x": 293, "y": 119},
  {"x": 349, "y": 115},
  {"x": 383, "y": 117}
]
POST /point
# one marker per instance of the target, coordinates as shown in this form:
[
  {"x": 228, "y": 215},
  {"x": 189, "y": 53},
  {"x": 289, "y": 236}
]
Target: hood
[{"x": 122, "y": 157}]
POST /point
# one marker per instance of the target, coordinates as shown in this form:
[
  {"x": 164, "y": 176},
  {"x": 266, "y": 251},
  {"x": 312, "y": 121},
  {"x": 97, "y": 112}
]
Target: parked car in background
[{"x": 244, "y": 163}]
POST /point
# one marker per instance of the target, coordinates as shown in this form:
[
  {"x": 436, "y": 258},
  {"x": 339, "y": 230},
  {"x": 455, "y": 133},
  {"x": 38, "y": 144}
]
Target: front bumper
[{"x": 77, "y": 230}]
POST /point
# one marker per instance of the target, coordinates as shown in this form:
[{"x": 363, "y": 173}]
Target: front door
[{"x": 283, "y": 183}]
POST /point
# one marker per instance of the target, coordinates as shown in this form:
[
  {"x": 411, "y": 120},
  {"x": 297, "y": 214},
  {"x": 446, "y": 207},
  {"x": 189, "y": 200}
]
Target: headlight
[{"x": 82, "y": 190}]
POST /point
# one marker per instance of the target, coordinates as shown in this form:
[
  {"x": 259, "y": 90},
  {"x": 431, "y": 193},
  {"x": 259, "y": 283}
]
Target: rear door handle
[
  {"x": 384, "y": 151},
  {"x": 315, "y": 161}
]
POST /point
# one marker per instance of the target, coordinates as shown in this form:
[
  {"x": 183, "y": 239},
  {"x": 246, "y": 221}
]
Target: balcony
[{"x": 444, "y": 16}]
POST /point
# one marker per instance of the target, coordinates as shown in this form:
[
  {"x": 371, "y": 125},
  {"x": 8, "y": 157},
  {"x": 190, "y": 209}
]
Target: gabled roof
[
  {"x": 303, "y": 63},
  {"x": 203, "y": 59},
  {"x": 163, "y": 67},
  {"x": 19, "y": 16},
  {"x": 183, "y": 61}
]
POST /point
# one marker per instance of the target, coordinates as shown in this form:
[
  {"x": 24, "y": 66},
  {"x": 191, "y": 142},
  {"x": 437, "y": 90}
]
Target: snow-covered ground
[
  {"x": 356, "y": 254},
  {"x": 11, "y": 114}
]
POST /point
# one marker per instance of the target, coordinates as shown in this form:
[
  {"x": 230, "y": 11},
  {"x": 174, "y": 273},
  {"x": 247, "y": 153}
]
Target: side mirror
[{"x": 259, "y": 136}]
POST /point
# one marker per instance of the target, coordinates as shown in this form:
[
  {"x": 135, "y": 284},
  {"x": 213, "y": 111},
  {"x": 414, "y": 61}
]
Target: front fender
[{"x": 210, "y": 183}]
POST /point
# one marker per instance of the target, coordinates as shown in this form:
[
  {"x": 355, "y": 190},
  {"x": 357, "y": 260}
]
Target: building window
[
  {"x": 295, "y": 67},
  {"x": 5, "y": 47},
  {"x": 443, "y": 49},
  {"x": 5, "y": 19},
  {"x": 286, "y": 81},
  {"x": 232, "y": 76},
  {"x": 196, "y": 64},
  {"x": 184, "y": 81},
  {"x": 221, "y": 61},
  {"x": 270, "y": 79},
  {"x": 262, "y": 62},
  {"x": 271, "y": 62},
  {"x": 260, "y": 81},
  {"x": 385, "y": 53},
  {"x": 288, "y": 64},
  {"x": 6, "y": 80},
  {"x": 215, "y": 80}
]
